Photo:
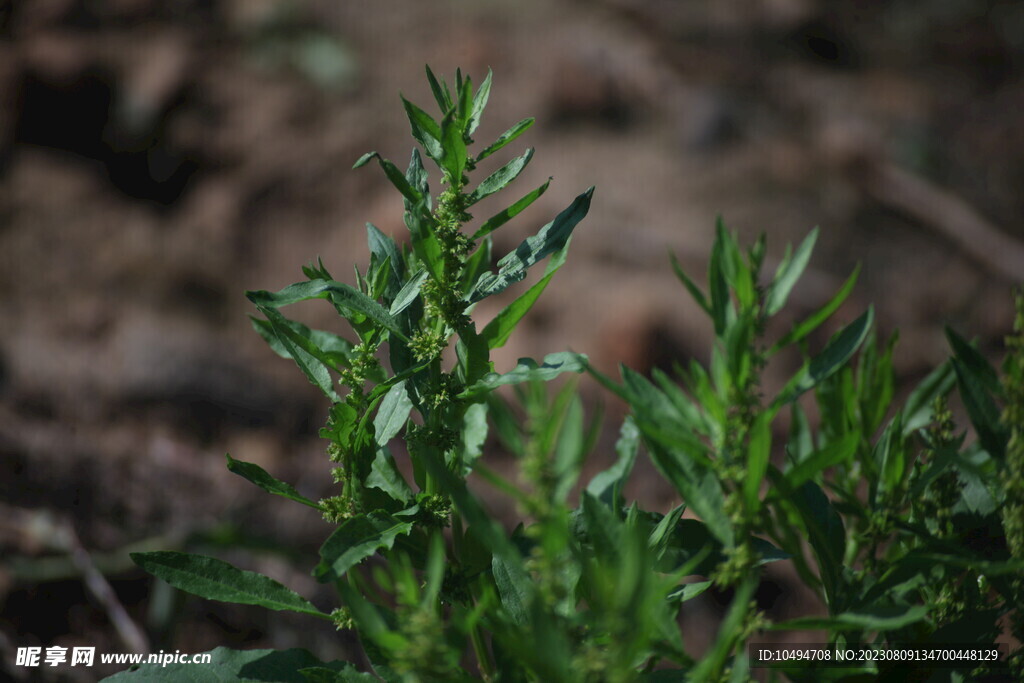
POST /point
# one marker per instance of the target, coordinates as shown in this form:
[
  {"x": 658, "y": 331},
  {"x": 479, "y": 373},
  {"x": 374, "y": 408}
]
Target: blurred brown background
[{"x": 157, "y": 158}]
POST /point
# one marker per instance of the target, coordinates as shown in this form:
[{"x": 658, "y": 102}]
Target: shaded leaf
[
  {"x": 552, "y": 237},
  {"x": 356, "y": 539},
  {"x": 261, "y": 478},
  {"x": 213, "y": 579}
]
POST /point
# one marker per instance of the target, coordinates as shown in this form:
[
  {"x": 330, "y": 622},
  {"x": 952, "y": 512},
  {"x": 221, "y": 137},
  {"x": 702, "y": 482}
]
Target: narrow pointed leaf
[
  {"x": 880, "y": 618},
  {"x": 500, "y": 328},
  {"x": 500, "y": 178},
  {"x": 479, "y": 103},
  {"x": 338, "y": 292},
  {"x": 918, "y": 409},
  {"x": 408, "y": 293},
  {"x": 499, "y": 219},
  {"x": 394, "y": 175},
  {"x": 607, "y": 486},
  {"x": 528, "y": 370},
  {"x": 257, "y": 475},
  {"x": 788, "y": 273},
  {"x": 552, "y": 237},
  {"x": 301, "y": 350},
  {"x": 815, "y": 320},
  {"x": 213, "y": 579},
  {"x": 834, "y": 356},
  {"x": 424, "y": 128},
  {"x": 443, "y": 97},
  {"x": 690, "y": 285},
  {"x": 505, "y": 138}
]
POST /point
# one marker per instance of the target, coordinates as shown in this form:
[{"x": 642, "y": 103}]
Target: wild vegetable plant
[{"x": 902, "y": 541}]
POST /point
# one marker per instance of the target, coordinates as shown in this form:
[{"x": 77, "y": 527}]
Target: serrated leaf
[
  {"x": 257, "y": 475},
  {"x": 243, "y": 666},
  {"x": 213, "y": 579},
  {"x": 552, "y": 237},
  {"x": 505, "y": 138},
  {"x": 787, "y": 274},
  {"x": 500, "y": 178},
  {"x": 528, "y": 370},
  {"x": 356, "y": 539},
  {"x": 393, "y": 413},
  {"x": 499, "y": 219},
  {"x": 337, "y": 292}
]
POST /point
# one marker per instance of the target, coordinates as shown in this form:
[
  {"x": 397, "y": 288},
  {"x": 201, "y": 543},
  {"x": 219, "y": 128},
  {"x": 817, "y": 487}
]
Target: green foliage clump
[{"x": 885, "y": 511}]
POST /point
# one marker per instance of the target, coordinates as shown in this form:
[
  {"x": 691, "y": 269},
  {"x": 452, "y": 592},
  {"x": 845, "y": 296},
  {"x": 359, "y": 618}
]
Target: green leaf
[
  {"x": 825, "y": 530},
  {"x": 891, "y": 457},
  {"x": 443, "y": 97},
  {"x": 758, "y": 453},
  {"x": 607, "y": 486},
  {"x": 787, "y": 274},
  {"x": 416, "y": 175},
  {"x": 834, "y": 356},
  {"x": 261, "y": 478},
  {"x": 917, "y": 411},
  {"x": 453, "y": 161},
  {"x": 393, "y": 412},
  {"x": 479, "y": 103},
  {"x": 690, "y": 285},
  {"x": 356, "y": 539},
  {"x": 394, "y": 175},
  {"x": 335, "y": 350},
  {"x": 879, "y": 618},
  {"x": 410, "y": 290},
  {"x": 528, "y": 370},
  {"x": 500, "y": 178},
  {"x": 338, "y": 292},
  {"x": 551, "y": 238},
  {"x": 500, "y": 328},
  {"x": 710, "y": 667},
  {"x": 424, "y": 129},
  {"x": 721, "y": 304},
  {"x": 384, "y": 475},
  {"x": 499, "y": 219},
  {"x": 697, "y": 485},
  {"x": 813, "y": 321},
  {"x": 515, "y": 588},
  {"x": 473, "y": 436},
  {"x": 688, "y": 591},
  {"x": 835, "y": 453},
  {"x": 977, "y": 381},
  {"x": 303, "y": 351},
  {"x": 244, "y": 666},
  {"x": 505, "y": 138},
  {"x": 213, "y": 579}
]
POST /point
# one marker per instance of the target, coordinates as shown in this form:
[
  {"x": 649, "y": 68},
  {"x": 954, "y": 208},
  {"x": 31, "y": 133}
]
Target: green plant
[{"x": 588, "y": 587}]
